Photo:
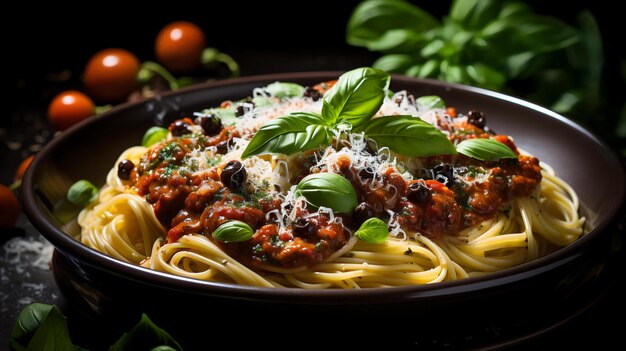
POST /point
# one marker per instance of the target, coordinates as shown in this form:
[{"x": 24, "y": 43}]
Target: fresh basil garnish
[
  {"x": 408, "y": 136},
  {"x": 233, "y": 231},
  {"x": 485, "y": 149},
  {"x": 327, "y": 190},
  {"x": 373, "y": 231},
  {"x": 356, "y": 96},
  {"x": 430, "y": 101},
  {"x": 299, "y": 131},
  {"x": 154, "y": 135},
  {"x": 82, "y": 193},
  {"x": 282, "y": 89}
]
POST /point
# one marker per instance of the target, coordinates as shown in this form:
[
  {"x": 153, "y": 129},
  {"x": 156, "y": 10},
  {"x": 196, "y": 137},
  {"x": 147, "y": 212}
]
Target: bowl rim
[{"x": 66, "y": 244}]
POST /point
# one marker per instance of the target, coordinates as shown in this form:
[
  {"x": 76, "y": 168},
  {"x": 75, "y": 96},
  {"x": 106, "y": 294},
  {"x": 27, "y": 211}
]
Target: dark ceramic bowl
[{"x": 492, "y": 310}]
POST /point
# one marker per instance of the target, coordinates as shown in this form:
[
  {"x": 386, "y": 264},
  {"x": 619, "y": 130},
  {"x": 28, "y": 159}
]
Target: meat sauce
[{"x": 197, "y": 201}]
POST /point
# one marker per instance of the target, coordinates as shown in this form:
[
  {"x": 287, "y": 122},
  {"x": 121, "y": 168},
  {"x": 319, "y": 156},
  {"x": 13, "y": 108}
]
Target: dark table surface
[{"x": 599, "y": 327}]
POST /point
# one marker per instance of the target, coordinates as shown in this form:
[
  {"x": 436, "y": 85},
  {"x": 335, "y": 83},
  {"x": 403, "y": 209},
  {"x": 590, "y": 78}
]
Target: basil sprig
[
  {"x": 485, "y": 149},
  {"x": 354, "y": 100},
  {"x": 328, "y": 190},
  {"x": 373, "y": 231},
  {"x": 233, "y": 231}
]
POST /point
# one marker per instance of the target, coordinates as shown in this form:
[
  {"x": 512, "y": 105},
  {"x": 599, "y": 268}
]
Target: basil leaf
[
  {"x": 233, "y": 231},
  {"x": 357, "y": 96},
  {"x": 328, "y": 190},
  {"x": 474, "y": 14},
  {"x": 145, "y": 336},
  {"x": 397, "y": 63},
  {"x": 430, "y": 101},
  {"x": 27, "y": 323},
  {"x": 389, "y": 26},
  {"x": 373, "y": 231},
  {"x": 154, "y": 135},
  {"x": 82, "y": 193},
  {"x": 409, "y": 136},
  {"x": 281, "y": 90},
  {"x": 485, "y": 149},
  {"x": 299, "y": 131},
  {"x": 41, "y": 327}
]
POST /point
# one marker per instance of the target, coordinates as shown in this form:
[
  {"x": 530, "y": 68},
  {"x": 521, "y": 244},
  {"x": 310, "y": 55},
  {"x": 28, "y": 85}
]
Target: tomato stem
[
  {"x": 212, "y": 56},
  {"x": 149, "y": 68},
  {"x": 16, "y": 184}
]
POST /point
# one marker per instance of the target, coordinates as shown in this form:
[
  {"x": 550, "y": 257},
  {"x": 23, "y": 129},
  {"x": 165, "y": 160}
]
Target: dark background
[{"x": 40, "y": 44}]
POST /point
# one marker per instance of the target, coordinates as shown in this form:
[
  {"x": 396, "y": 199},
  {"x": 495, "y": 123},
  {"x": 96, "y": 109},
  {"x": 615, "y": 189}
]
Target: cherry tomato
[
  {"x": 69, "y": 108},
  {"x": 9, "y": 208},
  {"x": 179, "y": 46},
  {"x": 111, "y": 75},
  {"x": 21, "y": 169}
]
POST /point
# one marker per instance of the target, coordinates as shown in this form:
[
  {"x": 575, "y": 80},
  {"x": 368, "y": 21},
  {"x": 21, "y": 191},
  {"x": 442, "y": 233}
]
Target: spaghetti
[{"x": 466, "y": 218}]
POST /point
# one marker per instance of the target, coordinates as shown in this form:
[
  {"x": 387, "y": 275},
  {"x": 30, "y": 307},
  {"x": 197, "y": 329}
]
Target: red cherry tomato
[
  {"x": 69, "y": 108},
  {"x": 21, "y": 169},
  {"x": 179, "y": 46},
  {"x": 9, "y": 208},
  {"x": 111, "y": 75}
]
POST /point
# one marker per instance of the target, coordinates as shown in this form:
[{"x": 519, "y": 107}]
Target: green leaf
[
  {"x": 233, "y": 232},
  {"x": 373, "y": 231},
  {"x": 408, "y": 136},
  {"x": 154, "y": 135},
  {"x": 587, "y": 56},
  {"x": 328, "y": 190},
  {"x": 145, "y": 336},
  {"x": 297, "y": 132},
  {"x": 474, "y": 14},
  {"x": 357, "y": 96},
  {"x": 41, "y": 327},
  {"x": 397, "y": 63},
  {"x": 82, "y": 193},
  {"x": 282, "y": 90},
  {"x": 543, "y": 34},
  {"x": 392, "y": 26},
  {"x": 430, "y": 101},
  {"x": 27, "y": 323},
  {"x": 486, "y": 76},
  {"x": 485, "y": 149}
]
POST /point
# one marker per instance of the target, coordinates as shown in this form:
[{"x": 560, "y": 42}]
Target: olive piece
[
  {"x": 419, "y": 194},
  {"x": 124, "y": 168},
  {"x": 362, "y": 213},
  {"x": 211, "y": 124},
  {"x": 476, "y": 118},
  {"x": 180, "y": 128},
  {"x": 369, "y": 149},
  {"x": 234, "y": 175},
  {"x": 303, "y": 227},
  {"x": 312, "y": 93},
  {"x": 223, "y": 146},
  {"x": 240, "y": 111},
  {"x": 444, "y": 173},
  {"x": 367, "y": 173}
]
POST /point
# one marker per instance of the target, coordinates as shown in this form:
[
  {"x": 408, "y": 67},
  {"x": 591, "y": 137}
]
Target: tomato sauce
[{"x": 454, "y": 192}]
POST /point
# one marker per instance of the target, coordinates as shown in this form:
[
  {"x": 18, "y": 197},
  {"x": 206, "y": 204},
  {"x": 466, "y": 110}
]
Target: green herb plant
[{"x": 495, "y": 44}]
